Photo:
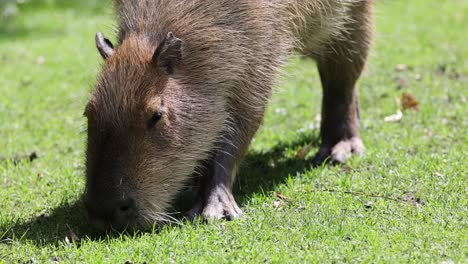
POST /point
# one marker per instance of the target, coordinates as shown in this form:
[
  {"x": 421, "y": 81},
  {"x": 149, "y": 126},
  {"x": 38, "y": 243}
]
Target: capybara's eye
[{"x": 154, "y": 119}]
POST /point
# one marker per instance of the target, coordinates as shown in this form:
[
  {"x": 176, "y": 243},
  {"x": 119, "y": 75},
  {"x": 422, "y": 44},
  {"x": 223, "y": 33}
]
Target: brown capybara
[{"x": 185, "y": 89}]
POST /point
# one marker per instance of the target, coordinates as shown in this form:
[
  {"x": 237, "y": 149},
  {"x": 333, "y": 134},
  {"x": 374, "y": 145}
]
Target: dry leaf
[
  {"x": 394, "y": 118},
  {"x": 408, "y": 101},
  {"x": 282, "y": 197},
  {"x": 40, "y": 60},
  {"x": 438, "y": 174},
  {"x": 401, "y": 67},
  {"x": 277, "y": 204},
  {"x": 302, "y": 153}
]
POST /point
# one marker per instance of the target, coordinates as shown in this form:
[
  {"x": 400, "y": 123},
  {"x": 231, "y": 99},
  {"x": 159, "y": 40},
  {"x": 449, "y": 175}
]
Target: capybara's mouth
[{"x": 112, "y": 215}]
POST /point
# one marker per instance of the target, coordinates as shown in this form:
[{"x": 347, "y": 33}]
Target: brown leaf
[
  {"x": 302, "y": 153},
  {"x": 408, "y": 101},
  {"x": 282, "y": 197}
]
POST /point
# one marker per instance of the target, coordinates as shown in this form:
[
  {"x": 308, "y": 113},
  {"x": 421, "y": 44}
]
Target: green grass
[{"x": 48, "y": 65}]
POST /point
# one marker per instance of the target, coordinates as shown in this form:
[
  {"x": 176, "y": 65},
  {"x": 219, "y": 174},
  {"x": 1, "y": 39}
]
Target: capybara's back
[{"x": 185, "y": 89}]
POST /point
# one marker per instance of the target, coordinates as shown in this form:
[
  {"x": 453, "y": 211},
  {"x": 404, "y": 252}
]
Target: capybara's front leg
[{"x": 213, "y": 197}]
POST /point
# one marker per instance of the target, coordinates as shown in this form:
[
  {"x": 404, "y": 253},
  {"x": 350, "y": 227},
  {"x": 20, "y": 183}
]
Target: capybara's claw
[
  {"x": 220, "y": 204},
  {"x": 340, "y": 152}
]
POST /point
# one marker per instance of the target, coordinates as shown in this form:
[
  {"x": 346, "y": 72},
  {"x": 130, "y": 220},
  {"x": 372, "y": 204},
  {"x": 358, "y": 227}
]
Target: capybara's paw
[
  {"x": 219, "y": 204},
  {"x": 340, "y": 152}
]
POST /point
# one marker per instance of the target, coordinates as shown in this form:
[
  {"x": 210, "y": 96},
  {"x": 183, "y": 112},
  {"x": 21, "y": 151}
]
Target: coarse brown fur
[{"x": 201, "y": 72}]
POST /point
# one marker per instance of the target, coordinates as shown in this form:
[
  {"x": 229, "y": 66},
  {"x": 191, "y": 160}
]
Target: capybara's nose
[
  {"x": 117, "y": 215},
  {"x": 124, "y": 209},
  {"x": 122, "y": 214}
]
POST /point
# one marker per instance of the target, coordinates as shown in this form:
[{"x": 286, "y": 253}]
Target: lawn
[{"x": 405, "y": 200}]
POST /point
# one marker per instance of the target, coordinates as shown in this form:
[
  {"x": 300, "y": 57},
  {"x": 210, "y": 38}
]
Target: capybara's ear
[
  {"x": 104, "y": 46},
  {"x": 168, "y": 54}
]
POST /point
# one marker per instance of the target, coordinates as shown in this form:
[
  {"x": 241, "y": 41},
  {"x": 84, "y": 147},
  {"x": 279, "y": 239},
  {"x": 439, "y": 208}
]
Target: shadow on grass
[
  {"x": 260, "y": 172},
  {"x": 263, "y": 171}
]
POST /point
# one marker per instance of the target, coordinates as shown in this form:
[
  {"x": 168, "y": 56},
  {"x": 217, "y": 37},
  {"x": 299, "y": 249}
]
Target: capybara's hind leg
[{"x": 339, "y": 70}]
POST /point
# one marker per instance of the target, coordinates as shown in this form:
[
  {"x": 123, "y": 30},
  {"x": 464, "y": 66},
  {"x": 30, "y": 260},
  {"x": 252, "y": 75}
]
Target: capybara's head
[{"x": 148, "y": 129}]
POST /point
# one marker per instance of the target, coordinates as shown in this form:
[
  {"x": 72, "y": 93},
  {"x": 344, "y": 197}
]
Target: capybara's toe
[
  {"x": 340, "y": 152},
  {"x": 221, "y": 205}
]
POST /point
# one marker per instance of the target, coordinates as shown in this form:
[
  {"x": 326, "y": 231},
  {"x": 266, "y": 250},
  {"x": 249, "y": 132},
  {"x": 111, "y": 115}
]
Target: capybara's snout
[{"x": 111, "y": 212}]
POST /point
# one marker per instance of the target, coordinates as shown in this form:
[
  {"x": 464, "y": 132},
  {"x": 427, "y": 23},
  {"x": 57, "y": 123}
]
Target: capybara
[{"x": 184, "y": 90}]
